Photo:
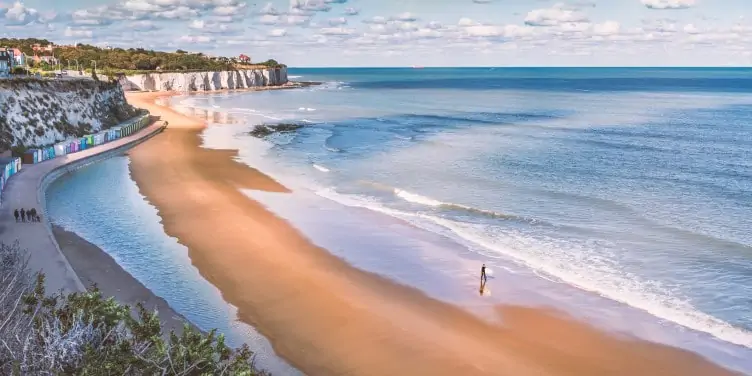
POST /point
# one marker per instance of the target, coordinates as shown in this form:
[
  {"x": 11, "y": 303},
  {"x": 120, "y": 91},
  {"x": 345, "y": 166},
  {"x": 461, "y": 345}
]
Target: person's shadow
[{"x": 482, "y": 289}]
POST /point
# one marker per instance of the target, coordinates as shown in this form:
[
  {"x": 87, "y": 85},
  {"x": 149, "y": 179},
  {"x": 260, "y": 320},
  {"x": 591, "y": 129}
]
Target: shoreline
[
  {"x": 95, "y": 266},
  {"x": 287, "y": 86},
  {"x": 326, "y": 317}
]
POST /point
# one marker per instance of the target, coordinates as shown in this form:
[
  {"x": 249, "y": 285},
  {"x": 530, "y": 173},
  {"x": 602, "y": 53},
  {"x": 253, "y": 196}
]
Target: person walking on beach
[
  {"x": 15, "y": 214},
  {"x": 33, "y": 214},
  {"x": 23, "y": 215},
  {"x": 483, "y": 277}
]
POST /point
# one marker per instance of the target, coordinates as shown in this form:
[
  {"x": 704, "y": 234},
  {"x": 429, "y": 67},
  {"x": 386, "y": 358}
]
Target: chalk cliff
[
  {"x": 35, "y": 112},
  {"x": 205, "y": 81}
]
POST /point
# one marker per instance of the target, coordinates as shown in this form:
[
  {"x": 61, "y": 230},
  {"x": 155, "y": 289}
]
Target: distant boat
[{"x": 417, "y": 67}]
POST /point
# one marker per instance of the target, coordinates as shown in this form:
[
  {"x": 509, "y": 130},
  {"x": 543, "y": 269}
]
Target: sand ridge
[{"x": 329, "y": 318}]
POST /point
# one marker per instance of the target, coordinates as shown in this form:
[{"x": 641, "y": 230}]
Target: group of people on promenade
[{"x": 26, "y": 215}]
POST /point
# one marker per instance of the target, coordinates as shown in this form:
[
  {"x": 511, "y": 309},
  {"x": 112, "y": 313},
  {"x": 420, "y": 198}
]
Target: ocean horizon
[{"x": 618, "y": 195}]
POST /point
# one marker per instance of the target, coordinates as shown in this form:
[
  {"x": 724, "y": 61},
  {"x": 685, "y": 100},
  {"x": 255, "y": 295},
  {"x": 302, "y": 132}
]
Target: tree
[{"x": 88, "y": 334}]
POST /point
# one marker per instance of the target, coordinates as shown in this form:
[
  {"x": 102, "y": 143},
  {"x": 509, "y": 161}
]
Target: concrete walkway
[{"x": 26, "y": 190}]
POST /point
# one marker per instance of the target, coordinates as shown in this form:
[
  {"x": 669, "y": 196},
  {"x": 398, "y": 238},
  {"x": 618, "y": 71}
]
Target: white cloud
[
  {"x": 484, "y": 31},
  {"x": 464, "y": 21},
  {"x": 336, "y": 31},
  {"x": 351, "y": 11},
  {"x": 691, "y": 29},
  {"x": 179, "y": 13},
  {"x": 668, "y": 4},
  {"x": 78, "y": 33},
  {"x": 230, "y": 10},
  {"x": 337, "y": 21},
  {"x": 607, "y": 28},
  {"x": 197, "y": 24},
  {"x": 377, "y": 20},
  {"x": 428, "y": 33},
  {"x": 269, "y": 19},
  {"x": 554, "y": 16},
  {"x": 481, "y": 1},
  {"x": 196, "y": 39},
  {"x": 297, "y": 19},
  {"x": 433, "y": 25},
  {"x": 277, "y": 33},
  {"x": 18, "y": 14},
  {"x": 143, "y": 26},
  {"x": 140, "y": 6},
  {"x": 405, "y": 17},
  {"x": 269, "y": 9},
  {"x": 310, "y": 5}
]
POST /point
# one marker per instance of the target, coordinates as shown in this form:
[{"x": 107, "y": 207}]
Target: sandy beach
[{"x": 328, "y": 318}]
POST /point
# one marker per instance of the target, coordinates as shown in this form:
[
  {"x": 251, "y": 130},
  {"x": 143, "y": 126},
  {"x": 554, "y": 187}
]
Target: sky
[{"x": 335, "y": 33}]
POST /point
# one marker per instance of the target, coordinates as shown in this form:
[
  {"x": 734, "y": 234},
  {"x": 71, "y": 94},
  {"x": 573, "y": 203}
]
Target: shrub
[
  {"x": 20, "y": 71},
  {"x": 88, "y": 334}
]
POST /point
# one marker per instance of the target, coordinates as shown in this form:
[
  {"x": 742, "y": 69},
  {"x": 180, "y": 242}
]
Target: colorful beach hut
[
  {"x": 9, "y": 166},
  {"x": 99, "y": 138},
  {"x": 60, "y": 149},
  {"x": 30, "y": 157},
  {"x": 116, "y": 132}
]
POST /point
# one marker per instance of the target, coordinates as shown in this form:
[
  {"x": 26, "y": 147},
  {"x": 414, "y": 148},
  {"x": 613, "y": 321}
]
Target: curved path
[{"x": 26, "y": 190}]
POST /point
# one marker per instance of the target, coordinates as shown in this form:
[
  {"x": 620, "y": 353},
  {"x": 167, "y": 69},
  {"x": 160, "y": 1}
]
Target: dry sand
[{"x": 329, "y": 318}]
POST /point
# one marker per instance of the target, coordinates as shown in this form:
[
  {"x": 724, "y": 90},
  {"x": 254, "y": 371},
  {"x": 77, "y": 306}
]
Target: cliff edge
[
  {"x": 35, "y": 112},
  {"x": 205, "y": 81}
]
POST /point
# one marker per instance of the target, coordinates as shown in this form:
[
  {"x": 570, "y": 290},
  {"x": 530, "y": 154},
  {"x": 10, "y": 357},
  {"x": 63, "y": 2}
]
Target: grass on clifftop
[
  {"x": 83, "y": 56},
  {"x": 88, "y": 334}
]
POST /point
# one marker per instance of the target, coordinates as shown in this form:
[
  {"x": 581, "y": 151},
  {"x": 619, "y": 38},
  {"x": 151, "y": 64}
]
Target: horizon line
[{"x": 524, "y": 67}]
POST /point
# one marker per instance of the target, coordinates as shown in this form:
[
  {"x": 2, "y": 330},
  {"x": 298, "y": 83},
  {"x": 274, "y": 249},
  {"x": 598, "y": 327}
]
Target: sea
[{"x": 619, "y": 196}]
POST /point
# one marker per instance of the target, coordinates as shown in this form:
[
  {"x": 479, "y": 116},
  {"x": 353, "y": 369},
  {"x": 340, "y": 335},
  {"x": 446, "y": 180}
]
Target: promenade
[{"x": 25, "y": 190}]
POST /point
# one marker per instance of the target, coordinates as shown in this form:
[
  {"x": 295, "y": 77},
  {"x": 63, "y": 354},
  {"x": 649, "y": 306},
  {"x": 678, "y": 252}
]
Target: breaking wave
[
  {"x": 320, "y": 168},
  {"x": 580, "y": 265},
  {"x": 427, "y": 201}
]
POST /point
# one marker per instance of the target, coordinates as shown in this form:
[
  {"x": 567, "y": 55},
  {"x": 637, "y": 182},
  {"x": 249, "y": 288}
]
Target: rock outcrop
[
  {"x": 36, "y": 112},
  {"x": 205, "y": 81}
]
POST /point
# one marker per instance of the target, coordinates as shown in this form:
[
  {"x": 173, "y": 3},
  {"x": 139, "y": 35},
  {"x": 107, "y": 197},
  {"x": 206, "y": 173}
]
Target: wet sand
[{"x": 328, "y": 318}]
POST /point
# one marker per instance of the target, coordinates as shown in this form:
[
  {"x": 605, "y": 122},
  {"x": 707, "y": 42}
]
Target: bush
[
  {"x": 88, "y": 334},
  {"x": 20, "y": 71}
]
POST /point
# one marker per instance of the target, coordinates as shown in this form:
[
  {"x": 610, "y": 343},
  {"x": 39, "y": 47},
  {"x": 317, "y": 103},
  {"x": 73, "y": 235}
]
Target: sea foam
[{"x": 574, "y": 264}]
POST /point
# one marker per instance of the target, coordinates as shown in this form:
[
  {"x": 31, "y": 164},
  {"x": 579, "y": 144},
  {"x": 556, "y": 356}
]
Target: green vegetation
[
  {"x": 129, "y": 61},
  {"x": 88, "y": 334}
]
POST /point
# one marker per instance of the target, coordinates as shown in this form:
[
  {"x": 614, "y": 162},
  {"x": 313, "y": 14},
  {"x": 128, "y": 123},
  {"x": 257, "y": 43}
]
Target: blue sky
[{"x": 407, "y": 32}]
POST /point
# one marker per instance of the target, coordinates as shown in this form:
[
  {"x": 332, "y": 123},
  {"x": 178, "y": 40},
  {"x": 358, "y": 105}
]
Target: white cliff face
[
  {"x": 43, "y": 112},
  {"x": 206, "y": 81}
]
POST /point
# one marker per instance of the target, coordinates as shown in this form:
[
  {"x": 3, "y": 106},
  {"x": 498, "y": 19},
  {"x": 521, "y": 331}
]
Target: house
[
  {"x": 38, "y": 47},
  {"x": 244, "y": 58},
  {"x": 50, "y": 60},
  {"x": 7, "y": 61},
  {"x": 20, "y": 57}
]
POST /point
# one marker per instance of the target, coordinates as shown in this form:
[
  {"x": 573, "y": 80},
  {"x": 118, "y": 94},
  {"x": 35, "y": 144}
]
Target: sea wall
[
  {"x": 37, "y": 112},
  {"x": 205, "y": 81}
]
